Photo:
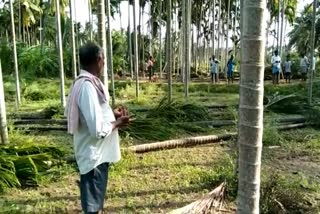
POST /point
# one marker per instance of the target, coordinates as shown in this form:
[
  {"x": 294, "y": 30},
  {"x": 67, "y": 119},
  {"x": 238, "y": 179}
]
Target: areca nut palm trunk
[
  {"x": 15, "y": 57},
  {"x": 168, "y": 49},
  {"x": 312, "y": 50},
  {"x": 102, "y": 37},
  {"x": 3, "y": 118},
  {"x": 135, "y": 47},
  {"x": 73, "y": 42},
  {"x": 129, "y": 42},
  {"x": 160, "y": 41},
  {"x": 182, "y": 40},
  {"x": 213, "y": 27},
  {"x": 282, "y": 27},
  {"x": 90, "y": 19},
  {"x": 278, "y": 26},
  {"x": 227, "y": 37},
  {"x": 187, "y": 45},
  {"x": 59, "y": 38},
  {"x": 251, "y": 105},
  {"x": 109, "y": 51}
]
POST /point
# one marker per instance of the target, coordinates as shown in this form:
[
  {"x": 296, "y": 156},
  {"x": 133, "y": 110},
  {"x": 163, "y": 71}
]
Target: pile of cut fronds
[
  {"x": 22, "y": 165},
  {"x": 178, "y": 112},
  {"x": 167, "y": 120}
]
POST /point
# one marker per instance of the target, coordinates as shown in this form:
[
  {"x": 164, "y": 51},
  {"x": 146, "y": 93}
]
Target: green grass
[{"x": 161, "y": 181}]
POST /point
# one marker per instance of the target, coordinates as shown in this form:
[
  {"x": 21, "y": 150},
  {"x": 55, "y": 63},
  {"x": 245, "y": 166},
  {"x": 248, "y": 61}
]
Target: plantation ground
[{"x": 158, "y": 182}]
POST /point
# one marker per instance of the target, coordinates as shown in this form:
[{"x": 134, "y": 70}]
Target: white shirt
[
  {"x": 95, "y": 142},
  {"x": 304, "y": 62},
  {"x": 314, "y": 64},
  {"x": 276, "y": 61}
]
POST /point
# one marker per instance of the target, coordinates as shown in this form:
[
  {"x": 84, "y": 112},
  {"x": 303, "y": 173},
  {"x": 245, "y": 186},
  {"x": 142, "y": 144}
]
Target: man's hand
[
  {"x": 122, "y": 121},
  {"x": 120, "y": 111}
]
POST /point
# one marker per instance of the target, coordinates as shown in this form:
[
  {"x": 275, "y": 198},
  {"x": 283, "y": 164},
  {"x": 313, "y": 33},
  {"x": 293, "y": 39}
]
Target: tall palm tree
[
  {"x": 109, "y": 50},
  {"x": 60, "y": 50},
  {"x": 169, "y": 47},
  {"x": 227, "y": 35},
  {"x": 312, "y": 39},
  {"x": 73, "y": 42},
  {"x": 102, "y": 36},
  {"x": 129, "y": 42},
  {"x": 16, "y": 71},
  {"x": 160, "y": 40},
  {"x": 3, "y": 118},
  {"x": 251, "y": 105},
  {"x": 135, "y": 46},
  {"x": 213, "y": 38},
  {"x": 186, "y": 21},
  {"x": 90, "y": 3}
]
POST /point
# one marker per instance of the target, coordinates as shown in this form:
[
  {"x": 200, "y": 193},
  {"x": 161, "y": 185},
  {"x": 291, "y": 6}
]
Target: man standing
[
  {"x": 230, "y": 68},
  {"x": 94, "y": 126},
  {"x": 276, "y": 65},
  {"x": 214, "y": 69},
  {"x": 304, "y": 63}
]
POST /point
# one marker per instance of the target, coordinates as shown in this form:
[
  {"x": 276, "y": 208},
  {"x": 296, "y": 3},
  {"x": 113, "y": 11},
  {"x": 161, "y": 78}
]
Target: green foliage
[
  {"x": 271, "y": 135},
  {"x": 280, "y": 194},
  {"x": 23, "y": 161}
]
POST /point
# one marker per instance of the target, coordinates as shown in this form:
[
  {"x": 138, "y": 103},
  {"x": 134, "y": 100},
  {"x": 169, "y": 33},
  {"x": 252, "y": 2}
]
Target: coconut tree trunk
[
  {"x": 59, "y": 38},
  {"x": 109, "y": 51},
  {"x": 135, "y": 46},
  {"x": 182, "y": 40},
  {"x": 102, "y": 36},
  {"x": 16, "y": 71},
  {"x": 3, "y": 118},
  {"x": 251, "y": 106},
  {"x": 142, "y": 36},
  {"x": 312, "y": 50},
  {"x": 90, "y": 19},
  {"x": 73, "y": 42},
  {"x": 169, "y": 48},
  {"x": 129, "y": 42}
]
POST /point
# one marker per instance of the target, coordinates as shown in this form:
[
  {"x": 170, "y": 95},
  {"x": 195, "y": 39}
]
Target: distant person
[
  {"x": 304, "y": 62},
  {"x": 94, "y": 126},
  {"x": 287, "y": 69},
  {"x": 214, "y": 69},
  {"x": 149, "y": 67},
  {"x": 313, "y": 67},
  {"x": 276, "y": 66},
  {"x": 230, "y": 69}
]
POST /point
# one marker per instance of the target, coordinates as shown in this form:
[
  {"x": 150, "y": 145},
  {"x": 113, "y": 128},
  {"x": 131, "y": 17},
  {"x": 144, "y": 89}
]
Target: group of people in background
[
  {"x": 214, "y": 69},
  {"x": 276, "y": 67}
]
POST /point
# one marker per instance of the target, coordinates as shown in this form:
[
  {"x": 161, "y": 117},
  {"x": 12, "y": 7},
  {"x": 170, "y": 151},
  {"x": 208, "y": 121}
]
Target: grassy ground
[{"x": 161, "y": 181}]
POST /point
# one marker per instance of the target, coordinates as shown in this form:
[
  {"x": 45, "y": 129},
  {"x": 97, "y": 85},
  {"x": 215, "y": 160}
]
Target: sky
[{"x": 82, "y": 13}]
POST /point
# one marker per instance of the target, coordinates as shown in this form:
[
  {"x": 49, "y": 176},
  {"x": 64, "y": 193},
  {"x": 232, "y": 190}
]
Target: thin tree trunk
[
  {"x": 142, "y": 37},
  {"x": 187, "y": 45},
  {"x": 90, "y": 19},
  {"x": 219, "y": 39},
  {"x": 160, "y": 48},
  {"x": 182, "y": 41},
  {"x": 3, "y": 117},
  {"x": 73, "y": 42},
  {"x": 168, "y": 49},
  {"x": 281, "y": 30},
  {"x": 278, "y": 31},
  {"x": 129, "y": 42},
  {"x": 102, "y": 37},
  {"x": 109, "y": 51},
  {"x": 16, "y": 71},
  {"x": 213, "y": 27},
  {"x": 20, "y": 17},
  {"x": 312, "y": 39},
  {"x": 62, "y": 91},
  {"x": 135, "y": 46},
  {"x": 227, "y": 37},
  {"x": 251, "y": 106}
]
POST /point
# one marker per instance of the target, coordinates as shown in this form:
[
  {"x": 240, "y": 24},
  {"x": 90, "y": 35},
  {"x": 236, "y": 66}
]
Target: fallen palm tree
[
  {"x": 171, "y": 144},
  {"x": 211, "y": 203}
]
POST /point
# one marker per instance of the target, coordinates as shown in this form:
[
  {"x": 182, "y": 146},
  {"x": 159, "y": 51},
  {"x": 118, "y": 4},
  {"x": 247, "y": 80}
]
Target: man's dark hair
[
  {"x": 276, "y": 52},
  {"x": 89, "y": 54}
]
